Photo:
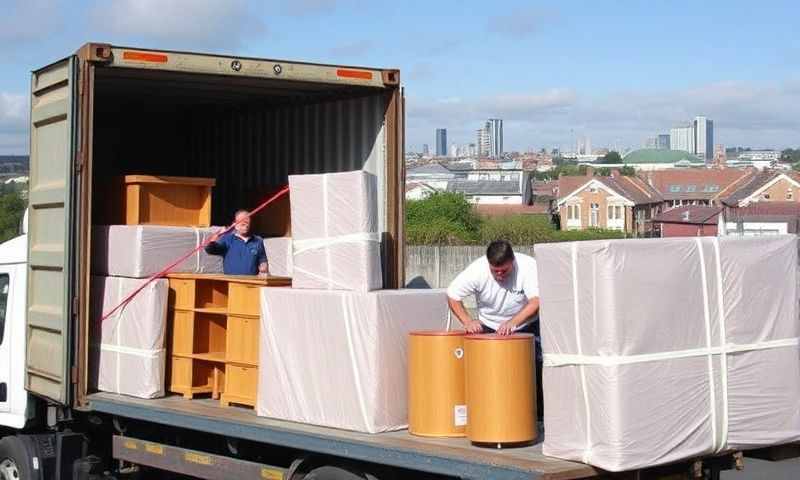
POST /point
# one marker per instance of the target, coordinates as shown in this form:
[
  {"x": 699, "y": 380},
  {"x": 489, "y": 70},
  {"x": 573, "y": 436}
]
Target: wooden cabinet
[
  {"x": 152, "y": 200},
  {"x": 213, "y": 329}
]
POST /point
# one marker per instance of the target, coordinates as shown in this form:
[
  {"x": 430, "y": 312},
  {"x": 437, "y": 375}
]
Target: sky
[{"x": 616, "y": 71}]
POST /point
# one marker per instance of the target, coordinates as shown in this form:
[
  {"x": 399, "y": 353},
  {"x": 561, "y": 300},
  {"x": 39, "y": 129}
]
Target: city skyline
[{"x": 617, "y": 72}]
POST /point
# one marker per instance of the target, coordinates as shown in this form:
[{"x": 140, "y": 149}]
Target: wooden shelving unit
[
  {"x": 213, "y": 328},
  {"x": 160, "y": 200}
]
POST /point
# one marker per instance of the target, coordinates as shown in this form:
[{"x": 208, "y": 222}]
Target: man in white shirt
[{"x": 506, "y": 289}]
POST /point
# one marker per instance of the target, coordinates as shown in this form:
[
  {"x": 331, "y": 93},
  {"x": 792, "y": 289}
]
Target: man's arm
[
  {"x": 215, "y": 247},
  {"x": 470, "y": 325},
  {"x": 528, "y": 311},
  {"x": 263, "y": 266}
]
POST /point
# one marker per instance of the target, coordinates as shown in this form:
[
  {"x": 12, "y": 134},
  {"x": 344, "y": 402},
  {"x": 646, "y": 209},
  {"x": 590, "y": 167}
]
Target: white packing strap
[
  {"x": 328, "y": 269},
  {"x": 197, "y": 241},
  {"x": 563, "y": 360},
  {"x": 136, "y": 352},
  {"x": 587, "y": 453},
  {"x": 347, "y": 315},
  {"x": 707, "y": 317},
  {"x": 331, "y": 282},
  {"x": 722, "y": 341},
  {"x": 301, "y": 246}
]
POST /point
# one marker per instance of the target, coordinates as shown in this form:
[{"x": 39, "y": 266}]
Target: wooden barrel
[
  {"x": 436, "y": 406},
  {"x": 500, "y": 388}
]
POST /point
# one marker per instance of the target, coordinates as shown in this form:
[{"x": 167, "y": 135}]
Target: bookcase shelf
[{"x": 213, "y": 327}]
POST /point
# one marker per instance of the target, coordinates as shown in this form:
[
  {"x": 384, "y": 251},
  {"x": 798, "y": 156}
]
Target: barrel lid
[
  {"x": 436, "y": 333},
  {"x": 494, "y": 336}
]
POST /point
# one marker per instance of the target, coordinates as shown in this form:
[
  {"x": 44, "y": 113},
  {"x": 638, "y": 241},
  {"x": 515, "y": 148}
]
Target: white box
[
  {"x": 335, "y": 231},
  {"x": 279, "y": 255},
  {"x": 657, "y": 351},
  {"x": 139, "y": 251},
  {"x": 128, "y": 347},
  {"x": 338, "y": 359}
]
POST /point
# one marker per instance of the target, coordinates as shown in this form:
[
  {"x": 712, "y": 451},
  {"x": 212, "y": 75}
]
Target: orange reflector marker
[
  {"x": 145, "y": 57},
  {"x": 359, "y": 74}
]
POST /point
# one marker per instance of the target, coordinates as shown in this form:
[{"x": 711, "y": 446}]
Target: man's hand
[
  {"x": 506, "y": 328},
  {"x": 473, "y": 326},
  {"x": 213, "y": 238}
]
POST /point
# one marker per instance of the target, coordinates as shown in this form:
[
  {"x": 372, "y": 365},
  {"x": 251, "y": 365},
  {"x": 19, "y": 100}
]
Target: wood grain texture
[
  {"x": 175, "y": 201},
  {"x": 500, "y": 388},
  {"x": 435, "y": 384}
]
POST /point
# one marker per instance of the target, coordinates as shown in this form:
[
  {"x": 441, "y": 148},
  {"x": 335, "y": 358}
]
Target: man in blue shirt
[{"x": 242, "y": 253}]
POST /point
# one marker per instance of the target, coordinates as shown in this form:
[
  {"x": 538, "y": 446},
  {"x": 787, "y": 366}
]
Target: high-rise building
[
  {"x": 483, "y": 142},
  {"x": 720, "y": 158},
  {"x": 682, "y": 138},
  {"x": 495, "y": 128},
  {"x": 663, "y": 141},
  {"x": 426, "y": 151},
  {"x": 441, "y": 142},
  {"x": 651, "y": 142},
  {"x": 454, "y": 150},
  {"x": 584, "y": 146},
  {"x": 703, "y": 130}
]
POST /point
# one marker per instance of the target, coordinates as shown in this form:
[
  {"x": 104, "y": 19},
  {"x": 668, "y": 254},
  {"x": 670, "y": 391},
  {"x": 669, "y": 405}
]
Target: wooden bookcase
[
  {"x": 152, "y": 200},
  {"x": 213, "y": 327}
]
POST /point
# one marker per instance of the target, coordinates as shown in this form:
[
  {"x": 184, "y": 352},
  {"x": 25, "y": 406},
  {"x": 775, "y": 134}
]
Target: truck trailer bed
[{"x": 456, "y": 457}]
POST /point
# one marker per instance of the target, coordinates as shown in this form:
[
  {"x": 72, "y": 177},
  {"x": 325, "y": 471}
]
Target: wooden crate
[
  {"x": 213, "y": 327},
  {"x": 152, "y": 200}
]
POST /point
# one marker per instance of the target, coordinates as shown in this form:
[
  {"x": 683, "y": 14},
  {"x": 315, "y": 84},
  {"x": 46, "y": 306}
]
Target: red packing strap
[{"x": 283, "y": 191}]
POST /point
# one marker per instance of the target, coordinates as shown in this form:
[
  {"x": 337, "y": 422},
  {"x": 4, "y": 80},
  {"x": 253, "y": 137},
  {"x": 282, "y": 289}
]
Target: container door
[{"x": 50, "y": 229}]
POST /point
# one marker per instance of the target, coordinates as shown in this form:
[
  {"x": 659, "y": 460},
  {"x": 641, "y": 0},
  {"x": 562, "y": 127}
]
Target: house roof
[
  {"x": 484, "y": 187},
  {"x": 632, "y": 188},
  {"x": 690, "y": 214},
  {"x": 754, "y": 183},
  {"x": 412, "y": 185},
  {"x": 429, "y": 170},
  {"x": 703, "y": 184},
  {"x": 766, "y": 208},
  {"x": 653, "y": 155}
]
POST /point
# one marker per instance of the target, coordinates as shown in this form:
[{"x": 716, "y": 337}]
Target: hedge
[{"x": 448, "y": 219}]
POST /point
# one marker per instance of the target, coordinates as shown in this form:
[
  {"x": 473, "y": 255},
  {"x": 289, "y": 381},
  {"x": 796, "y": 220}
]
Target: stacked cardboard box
[
  {"x": 660, "y": 350},
  {"x": 128, "y": 346},
  {"x": 279, "y": 256},
  {"x": 338, "y": 358},
  {"x": 335, "y": 231},
  {"x": 139, "y": 251}
]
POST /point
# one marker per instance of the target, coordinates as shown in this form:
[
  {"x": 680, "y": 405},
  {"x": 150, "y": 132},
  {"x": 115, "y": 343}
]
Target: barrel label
[{"x": 460, "y": 415}]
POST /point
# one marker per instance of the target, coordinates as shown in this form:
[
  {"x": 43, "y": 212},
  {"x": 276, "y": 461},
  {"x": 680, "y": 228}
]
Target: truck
[{"x": 109, "y": 110}]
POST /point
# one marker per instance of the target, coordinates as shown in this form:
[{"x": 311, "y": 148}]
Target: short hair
[
  {"x": 499, "y": 252},
  {"x": 237, "y": 212}
]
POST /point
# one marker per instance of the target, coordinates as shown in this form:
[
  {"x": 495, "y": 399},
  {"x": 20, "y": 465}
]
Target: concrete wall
[{"x": 429, "y": 266}]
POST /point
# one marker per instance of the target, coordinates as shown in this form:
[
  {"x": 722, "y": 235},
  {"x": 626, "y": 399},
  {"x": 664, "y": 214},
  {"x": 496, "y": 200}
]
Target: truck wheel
[
  {"x": 15, "y": 462},
  {"x": 336, "y": 473}
]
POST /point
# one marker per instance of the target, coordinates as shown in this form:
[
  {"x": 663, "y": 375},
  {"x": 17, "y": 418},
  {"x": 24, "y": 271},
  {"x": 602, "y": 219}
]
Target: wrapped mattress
[
  {"x": 139, "y": 251},
  {"x": 128, "y": 347},
  {"x": 338, "y": 359},
  {"x": 279, "y": 255},
  {"x": 660, "y": 350},
  {"x": 335, "y": 231}
]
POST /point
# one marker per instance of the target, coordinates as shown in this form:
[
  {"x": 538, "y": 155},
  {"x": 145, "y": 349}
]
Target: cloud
[
  {"x": 744, "y": 114},
  {"x": 517, "y": 24},
  {"x": 352, "y": 49},
  {"x": 195, "y": 24},
  {"x": 13, "y": 123},
  {"x": 26, "y": 21}
]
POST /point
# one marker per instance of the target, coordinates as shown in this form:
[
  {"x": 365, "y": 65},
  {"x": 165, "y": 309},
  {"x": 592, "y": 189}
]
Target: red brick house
[{"x": 689, "y": 221}]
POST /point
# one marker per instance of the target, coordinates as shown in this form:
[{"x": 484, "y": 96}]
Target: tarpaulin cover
[
  {"x": 138, "y": 251},
  {"x": 128, "y": 347},
  {"x": 279, "y": 255},
  {"x": 338, "y": 359},
  {"x": 335, "y": 231},
  {"x": 661, "y": 350}
]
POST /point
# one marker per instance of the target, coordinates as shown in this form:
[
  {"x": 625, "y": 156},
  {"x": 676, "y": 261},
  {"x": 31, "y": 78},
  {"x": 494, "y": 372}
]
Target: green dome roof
[{"x": 652, "y": 155}]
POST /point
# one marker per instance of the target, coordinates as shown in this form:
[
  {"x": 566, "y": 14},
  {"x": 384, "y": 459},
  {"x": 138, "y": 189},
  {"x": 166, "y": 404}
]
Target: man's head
[
  {"x": 501, "y": 259},
  {"x": 243, "y": 227}
]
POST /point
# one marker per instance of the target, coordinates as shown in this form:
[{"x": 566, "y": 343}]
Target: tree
[
  {"x": 796, "y": 167},
  {"x": 12, "y": 208},
  {"x": 603, "y": 172},
  {"x": 790, "y": 155},
  {"x": 628, "y": 171},
  {"x": 611, "y": 157}
]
